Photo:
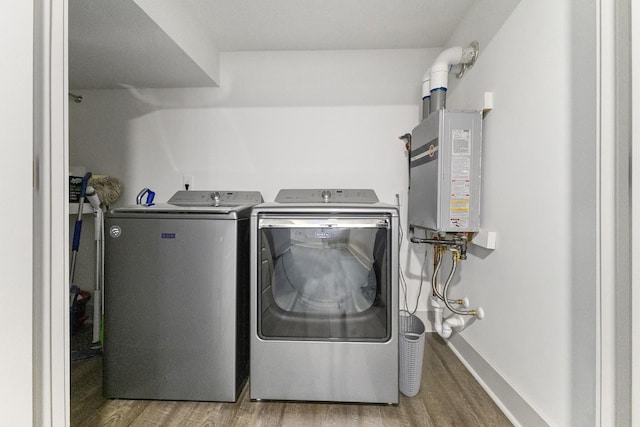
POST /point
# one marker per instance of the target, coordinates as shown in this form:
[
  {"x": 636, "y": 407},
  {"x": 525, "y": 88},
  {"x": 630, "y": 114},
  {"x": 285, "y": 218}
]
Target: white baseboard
[{"x": 514, "y": 406}]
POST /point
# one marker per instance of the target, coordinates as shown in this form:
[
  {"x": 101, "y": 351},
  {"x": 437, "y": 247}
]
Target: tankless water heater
[{"x": 444, "y": 193}]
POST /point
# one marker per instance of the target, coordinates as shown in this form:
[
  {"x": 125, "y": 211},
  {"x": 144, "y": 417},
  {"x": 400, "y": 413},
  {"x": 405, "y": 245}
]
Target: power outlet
[{"x": 187, "y": 182}]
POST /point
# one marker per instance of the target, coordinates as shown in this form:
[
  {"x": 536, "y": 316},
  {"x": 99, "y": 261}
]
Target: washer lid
[{"x": 326, "y": 196}]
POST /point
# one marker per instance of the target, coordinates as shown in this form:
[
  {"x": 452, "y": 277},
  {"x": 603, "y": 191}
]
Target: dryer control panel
[{"x": 326, "y": 196}]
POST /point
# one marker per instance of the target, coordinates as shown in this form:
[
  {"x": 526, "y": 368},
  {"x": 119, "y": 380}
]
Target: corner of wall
[{"x": 514, "y": 406}]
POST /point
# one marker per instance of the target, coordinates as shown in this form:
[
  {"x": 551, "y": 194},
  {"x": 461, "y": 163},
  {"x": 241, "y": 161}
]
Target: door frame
[
  {"x": 51, "y": 354},
  {"x": 51, "y": 319},
  {"x": 635, "y": 211}
]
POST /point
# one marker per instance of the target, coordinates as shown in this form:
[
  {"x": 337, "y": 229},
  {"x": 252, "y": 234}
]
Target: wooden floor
[{"x": 449, "y": 396}]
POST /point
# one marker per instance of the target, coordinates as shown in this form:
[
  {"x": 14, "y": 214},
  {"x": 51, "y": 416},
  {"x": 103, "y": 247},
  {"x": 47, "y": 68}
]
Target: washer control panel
[{"x": 215, "y": 198}]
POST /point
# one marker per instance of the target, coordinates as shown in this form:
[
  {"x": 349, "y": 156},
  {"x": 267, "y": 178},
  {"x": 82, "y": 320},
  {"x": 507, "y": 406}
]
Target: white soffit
[
  {"x": 176, "y": 43},
  {"x": 114, "y": 44}
]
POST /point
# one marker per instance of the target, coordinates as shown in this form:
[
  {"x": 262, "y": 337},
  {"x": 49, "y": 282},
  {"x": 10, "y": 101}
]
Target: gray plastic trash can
[{"x": 411, "y": 353}]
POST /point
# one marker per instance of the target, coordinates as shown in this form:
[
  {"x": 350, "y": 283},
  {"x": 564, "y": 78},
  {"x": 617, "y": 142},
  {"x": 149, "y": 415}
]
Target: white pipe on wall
[
  {"x": 440, "y": 67},
  {"x": 439, "y": 72},
  {"x": 426, "y": 94},
  {"x": 452, "y": 56},
  {"x": 455, "y": 321},
  {"x": 426, "y": 84},
  {"x": 445, "y": 327},
  {"x": 437, "y": 309}
]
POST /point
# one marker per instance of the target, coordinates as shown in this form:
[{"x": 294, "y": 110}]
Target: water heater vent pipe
[
  {"x": 438, "y": 80},
  {"x": 426, "y": 94}
]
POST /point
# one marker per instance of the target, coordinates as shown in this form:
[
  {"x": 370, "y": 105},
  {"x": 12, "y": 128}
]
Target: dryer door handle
[{"x": 323, "y": 222}]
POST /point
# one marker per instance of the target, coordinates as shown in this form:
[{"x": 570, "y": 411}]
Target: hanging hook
[{"x": 76, "y": 98}]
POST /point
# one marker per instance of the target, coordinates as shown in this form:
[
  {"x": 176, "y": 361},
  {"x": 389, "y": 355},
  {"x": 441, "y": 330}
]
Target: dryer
[
  {"x": 176, "y": 297},
  {"x": 324, "y": 297}
]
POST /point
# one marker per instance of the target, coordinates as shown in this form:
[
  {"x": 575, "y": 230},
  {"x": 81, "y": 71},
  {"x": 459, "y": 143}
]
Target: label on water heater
[
  {"x": 460, "y": 186},
  {"x": 459, "y": 213},
  {"x": 461, "y": 142}
]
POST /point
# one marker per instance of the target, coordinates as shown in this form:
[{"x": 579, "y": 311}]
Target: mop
[
  {"x": 94, "y": 199},
  {"x": 108, "y": 188},
  {"x": 100, "y": 192}
]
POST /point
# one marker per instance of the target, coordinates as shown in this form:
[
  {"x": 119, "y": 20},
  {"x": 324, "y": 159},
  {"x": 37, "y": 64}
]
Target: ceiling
[
  {"x": 144, "y": 43},
  {"x": 329, "y": 24}
]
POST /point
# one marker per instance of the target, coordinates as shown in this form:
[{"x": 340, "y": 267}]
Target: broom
[{"x": 77, "y": 299}]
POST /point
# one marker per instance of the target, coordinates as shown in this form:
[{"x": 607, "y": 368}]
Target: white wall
[
  {"x": 16, "y": 134},
  {"x": 538, "y": 287},
  {"x": 278, "y": 120},
  {"x": 234, "y": 149}
]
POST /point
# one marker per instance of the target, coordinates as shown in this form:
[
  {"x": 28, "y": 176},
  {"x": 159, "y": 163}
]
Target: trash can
[{"x": 411, "y": 352}]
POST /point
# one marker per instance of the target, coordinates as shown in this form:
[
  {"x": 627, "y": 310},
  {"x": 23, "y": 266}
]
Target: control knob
[{"x": 326, "y": 194}]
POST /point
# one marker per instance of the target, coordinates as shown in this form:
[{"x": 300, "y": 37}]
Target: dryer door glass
[{"x": 325, "y": 278}]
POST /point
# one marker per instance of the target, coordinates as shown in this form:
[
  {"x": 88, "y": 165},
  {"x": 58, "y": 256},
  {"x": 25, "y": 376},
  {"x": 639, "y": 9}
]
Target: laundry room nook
[{"x": 336, "y": 213}]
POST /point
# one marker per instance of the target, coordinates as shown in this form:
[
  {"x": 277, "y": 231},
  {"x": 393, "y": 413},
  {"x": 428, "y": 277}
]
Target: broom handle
[
  {"x": 77, "y": 229},
  {"x": 97, "y": 292}
]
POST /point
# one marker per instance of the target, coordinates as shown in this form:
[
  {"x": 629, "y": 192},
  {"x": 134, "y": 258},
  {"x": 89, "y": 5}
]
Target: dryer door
[{"x": 325, "y": 278}]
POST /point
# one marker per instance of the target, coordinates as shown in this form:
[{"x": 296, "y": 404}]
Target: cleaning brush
[{"x": 108, "y": 188}]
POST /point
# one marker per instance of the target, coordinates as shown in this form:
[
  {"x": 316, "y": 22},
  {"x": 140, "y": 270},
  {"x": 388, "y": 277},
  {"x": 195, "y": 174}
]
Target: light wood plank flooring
[{"x": 449, "y": 396}]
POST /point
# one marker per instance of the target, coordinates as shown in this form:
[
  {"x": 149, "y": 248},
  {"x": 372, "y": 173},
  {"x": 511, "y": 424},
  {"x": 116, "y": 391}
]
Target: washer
[
  {"x": 176, "y": 297},
  {"x": 324, "y": 297}
]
